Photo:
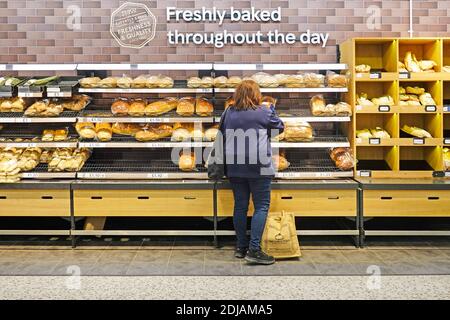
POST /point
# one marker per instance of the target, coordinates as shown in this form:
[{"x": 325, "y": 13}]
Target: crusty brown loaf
[
  {"x": 203, "y": 107},
  {"x": 186, "y": 106},
  {"x": 318, "y": 106},
  {"x": 160, "y": 107},
  {"x": 120, "y": 107},
  {"x": 187, "y": 162},
  {"x": 126, "y": 129},
  {"x": 137, "y": 108}
]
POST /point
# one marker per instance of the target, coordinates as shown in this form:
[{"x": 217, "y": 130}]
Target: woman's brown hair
[{"x": 247, "y": 95}]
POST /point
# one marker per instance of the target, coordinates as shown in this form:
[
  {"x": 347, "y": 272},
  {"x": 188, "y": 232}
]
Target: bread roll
[
  {"x": 86, "y": 130},
  {"x": 211, "y": 133},
  {"x": 89, "y": 82},
  {"x": 293, "y": 81},
  {"x": 110, "y": 82},
  {"x": 194, "y": 82},
  {"x": 233, "y": 82},
  {"x": 139, "y": 82},
  {"x": 77, "y": 103},
  {"x": 165, "y": 82},
  {"x": 187, "y": 162},
  {"x": 415, "y": 90},
  {"x": 207, "y": 82},
  {"x": 161, "y": 106},
  {"x": 181, "y": 134},
  {"x": 336, "y": 80},
  {"x": 362, "y": 68},
  {"x": 61, "y": 135},
  {"x": 120, "y": 107},
  {"x": 104, "y": 131},
  {"x": 220, "y": 82},
  {"x": 186, "y": 106},
  {"x": 124, "y": 82},
  {"x": 314, "y": 80},
  {"x": 280, "y": 163},
  {"x": 203, "y": 107},
  {"x": 137, "y": 108},
  {"x": 48, "y": 135}
]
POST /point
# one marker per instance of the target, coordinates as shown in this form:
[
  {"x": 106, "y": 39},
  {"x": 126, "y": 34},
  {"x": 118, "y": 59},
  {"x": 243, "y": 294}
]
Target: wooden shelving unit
[{"x": 402, "y": 156}]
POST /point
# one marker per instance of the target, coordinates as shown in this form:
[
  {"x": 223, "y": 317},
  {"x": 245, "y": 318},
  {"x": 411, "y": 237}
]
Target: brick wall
[{"x": 35, "y": 30}]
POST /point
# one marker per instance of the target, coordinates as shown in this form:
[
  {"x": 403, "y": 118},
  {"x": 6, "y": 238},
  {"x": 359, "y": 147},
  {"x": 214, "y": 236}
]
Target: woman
[{"x": 247, "y": 127}]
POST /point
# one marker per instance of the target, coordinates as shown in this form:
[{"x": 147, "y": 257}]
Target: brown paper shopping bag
[{"x": 280, "y": 236}]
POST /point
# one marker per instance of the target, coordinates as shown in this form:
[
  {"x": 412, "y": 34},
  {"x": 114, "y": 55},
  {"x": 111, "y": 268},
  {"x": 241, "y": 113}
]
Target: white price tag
[
  {"x": 259, "y": 67},
  {"x": 375, "y": 141},
  {"x": 205, "y": 90},
  {"x": 418, "y": 141},
  {"x": 288, "y": 175},
  {"x": 94, "y": 145},
  {"x": 447, "y": 174},
  {"x": 430, "y": 108},
  {"x": 155, "y": 145},
  {"x": 446, "y": 141},
  {"x": 446, "y": 108},
  {"x": 29, "y": 175},
  {"x": 156, "y": 120},
  {"x": 157, "y": 175},
  {"x": 365, "y": 174},
  {"x": 94, "y": 175},
  {"x": 384, "y": 108},
  {"x": 323, "y": 175},
  {"x": 375, "y": 76},
  {"x": 23, "y": 120},
  {"x": 404, "y": 75}
]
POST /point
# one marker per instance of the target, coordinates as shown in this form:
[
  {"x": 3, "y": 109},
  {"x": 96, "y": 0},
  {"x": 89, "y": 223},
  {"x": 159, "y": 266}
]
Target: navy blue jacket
[{"x": 248, "y": 153}]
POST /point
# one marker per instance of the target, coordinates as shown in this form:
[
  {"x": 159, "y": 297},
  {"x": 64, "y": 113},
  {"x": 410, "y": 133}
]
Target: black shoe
[
  {"x": 240, "y": 252},
  {"x": 258, "y": 257}
]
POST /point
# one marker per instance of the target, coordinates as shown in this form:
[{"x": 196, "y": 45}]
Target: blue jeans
[{"x": 259, "y": 188}]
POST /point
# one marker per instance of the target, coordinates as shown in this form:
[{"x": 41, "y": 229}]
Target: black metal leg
[
  {"x": 216, "y": 240},
  {"x": 361, "y": 218},
  {"x": 72, "y": 221}
]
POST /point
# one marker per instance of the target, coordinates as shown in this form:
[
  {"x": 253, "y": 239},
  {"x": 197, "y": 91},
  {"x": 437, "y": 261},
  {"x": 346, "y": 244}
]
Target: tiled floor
[{"x": 177, "y": 257}]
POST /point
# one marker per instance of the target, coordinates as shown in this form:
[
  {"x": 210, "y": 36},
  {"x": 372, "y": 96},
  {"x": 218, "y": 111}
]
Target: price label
[
  {"x": 404, "y": 75},
  {"x": 447, "y": 141},
  {"x": 23, "y": 120},
  {"x": 376, "y": 75},
  {"x": 9, "y": 67},
  {"x": 418, "y": 141},
  {"x": 323, "y": 175},
  {"x": 94, "y": 175},
  {"x": 157, "y": 175},
  {"x": 374, "y": 141},
  {"x": 288, "y": 175},
  {"x": 53, "y": 89},
  {"x": 29, "y": 94},
  {"x": 259, "y": 67},
  {"x": 446, "y": 108},
  {"x": 93, "y": 145},
  {"x": 134, "y": 66},
  {"x": 155, "y": 145},
  {"x": 156, "y": 120},
  {"x": 430, "y": 108},
  {"x": 30, "y": 175},
  {"x": 447, "y": 174},
  {"x": 384, "y": 108},
  {"x": 205, "y": 90},
  {"x": 365, "y": 174}
]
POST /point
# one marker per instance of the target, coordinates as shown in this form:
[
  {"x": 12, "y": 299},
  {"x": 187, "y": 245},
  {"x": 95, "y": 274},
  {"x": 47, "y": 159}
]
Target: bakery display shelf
[
  {"x": 407, "y": 140},
  {"x": 423, "y": 76},
  {"x": 312, "y": 169},
  {"x": 376, "y": 75},
  {"x": 100, "y": 115},
  {"x": 377, "y": 109},
  {"x": 158, "y": 169},
  {"x": 289, "y": 90},
  {"x": 41, "y": 172},
  {"x": 18, "y": 117},
  {"x": 180, "y": 86},
  {"x": 280, "y": 66},
  {"x": 318, "y": 142},
  {"x": 130, "y": 142},
  {"x": 421, "y": 109},
  {"x": 62, "y": 88},
  {"x": 37, "y": 144}
]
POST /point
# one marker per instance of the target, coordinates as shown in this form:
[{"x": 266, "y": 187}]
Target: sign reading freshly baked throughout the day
[{"x": 133, "y": 25}]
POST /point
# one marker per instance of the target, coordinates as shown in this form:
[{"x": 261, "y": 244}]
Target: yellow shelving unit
[{"x": 401, "y": 156}]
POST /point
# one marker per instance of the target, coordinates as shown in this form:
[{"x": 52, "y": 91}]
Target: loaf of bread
[
  {"x": 343, "y": 158},
  {"x": 187, "y": 161},
  {"x": 335, "y": 80},
  {"x": 194, "y": 82},
  {"x": 233, "y": 82},
  {"x": 161, "y": 106},
  {"x": 427, "y": 100},
  {"x": 61, "y": 135},
  {"x": 110, "y": 82},
  {"x": 203, "y": 107},
  {"x": 89, "y": 82},
  {"x": 124, "y": 82},
  {"x": 180, "y": 134},
  {"x": 120, "y": 107},
  {"x": 104, "y": 131},
  {"x": 318, "y": 106},
  {"x": 186, "y": 106},
  {"x": 314, "y": 80},
  {"x": 76, "y": 103},
  {"x": 139, "y": 82},
  {"x": 362, "y": 68},
  {"x": 280, "y": 162},
  {"x": 220, "y": 82},
  {"x": 86, "y": 130},
  {"x": 48, "y": 135},
  {"x": 297, "y": 131},
  {"x": 343, "y": 109},
  {"x": 211, "y": 133},
  {"x": 415, "y": 90},
  {"x": 154, "y": 132},
  {"x": 126, "y": 129},
  {"x": 137, "y": 108},
  {"x": 16, "y": 104}
]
